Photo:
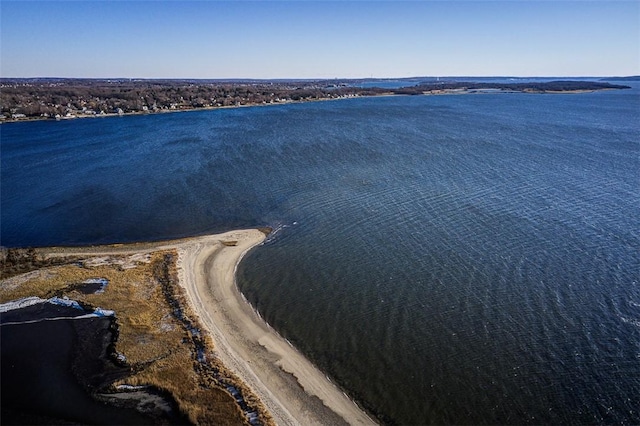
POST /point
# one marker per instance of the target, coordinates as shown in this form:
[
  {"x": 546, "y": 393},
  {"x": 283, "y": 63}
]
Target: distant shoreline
[
  {"x": 173, "y": 111},
  {"x": 70, "y": 100}
]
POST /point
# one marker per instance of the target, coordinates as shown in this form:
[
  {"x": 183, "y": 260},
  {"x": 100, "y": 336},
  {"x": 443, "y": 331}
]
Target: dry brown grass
[{"x": 156, "y": 342}]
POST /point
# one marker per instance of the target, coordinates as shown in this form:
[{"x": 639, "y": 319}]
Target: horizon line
[{"x": 313, "y": 78}]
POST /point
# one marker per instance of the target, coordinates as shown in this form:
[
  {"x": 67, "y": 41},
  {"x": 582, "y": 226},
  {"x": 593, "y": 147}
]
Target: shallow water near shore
[{"x": 445, "y": 259}]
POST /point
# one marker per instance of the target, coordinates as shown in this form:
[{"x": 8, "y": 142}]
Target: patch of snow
[
  {"x": 21, "y": 303},
  {"x": 65, "y": 302},
  {"x": 99, "y": 312},
  {"x": 102, "y": 281},
  {"x": 130, "y": 387},
  {"x": 30, "y": 301}
]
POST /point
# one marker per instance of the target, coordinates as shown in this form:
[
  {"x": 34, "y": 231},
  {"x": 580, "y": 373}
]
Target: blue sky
[{"x": 318, "y": 39}]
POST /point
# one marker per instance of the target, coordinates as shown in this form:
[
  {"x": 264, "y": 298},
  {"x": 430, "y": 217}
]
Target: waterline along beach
[
  {"x": 320, "y": 213},
  {"x": 292, "y": 390},
  {"x": 446, "y": 259},
  {"x": 262, "y": 358}
]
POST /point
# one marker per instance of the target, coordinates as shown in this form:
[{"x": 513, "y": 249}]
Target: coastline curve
[{"x": 292, "y": 389}]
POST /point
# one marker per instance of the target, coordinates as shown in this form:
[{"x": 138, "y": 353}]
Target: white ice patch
[
  {"x": 30, "y": 301},
  {"x": 102, "y": 281},
  {"x": 131, "y": 387},
  {"x": 21, "y": 303},
  {"x": 65, "y": 302},
  {"x": 99, "y": 312}
]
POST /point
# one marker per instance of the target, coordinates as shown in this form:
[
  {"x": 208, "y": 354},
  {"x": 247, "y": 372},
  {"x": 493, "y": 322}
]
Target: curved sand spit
[{"x": 293, "y": 390}]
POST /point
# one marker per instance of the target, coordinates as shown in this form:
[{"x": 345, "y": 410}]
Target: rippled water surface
[{"x": 445, "y": 259}]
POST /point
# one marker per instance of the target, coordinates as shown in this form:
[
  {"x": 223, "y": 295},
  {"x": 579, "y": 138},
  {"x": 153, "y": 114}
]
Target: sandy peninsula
[{"x": 291, "y": 388}]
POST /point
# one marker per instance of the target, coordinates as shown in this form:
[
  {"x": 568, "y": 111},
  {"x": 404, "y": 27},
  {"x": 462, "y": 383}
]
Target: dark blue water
[{"x": 446, "y": 259}]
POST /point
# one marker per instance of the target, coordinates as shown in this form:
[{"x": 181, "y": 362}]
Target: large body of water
[{"x": 445, "y": 259}]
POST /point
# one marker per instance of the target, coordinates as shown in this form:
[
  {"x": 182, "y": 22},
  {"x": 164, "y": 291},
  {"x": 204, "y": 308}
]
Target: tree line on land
[
  {"x": 51, "y": 98},
  {"x": 45, "y": 98},
  {"x": 14, "y": 261},
  {"x": 537, "y": 87}
]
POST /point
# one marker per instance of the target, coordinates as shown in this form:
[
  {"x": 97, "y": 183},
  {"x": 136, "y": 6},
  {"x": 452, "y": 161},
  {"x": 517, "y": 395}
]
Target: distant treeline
[
  {"x": 62, "y": 97},
  {"x": 58, "y": 98},
  {"x": 627, "y": 78},
  {"x": 541, "y": 87}
]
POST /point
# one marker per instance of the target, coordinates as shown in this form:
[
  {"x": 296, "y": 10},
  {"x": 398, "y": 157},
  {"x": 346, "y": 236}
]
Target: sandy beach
[{"x": 293, "y": 390}]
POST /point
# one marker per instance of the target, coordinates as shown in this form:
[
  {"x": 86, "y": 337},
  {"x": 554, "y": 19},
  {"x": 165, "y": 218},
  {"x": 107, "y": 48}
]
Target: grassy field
[{"x": 157, "y": 333}]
